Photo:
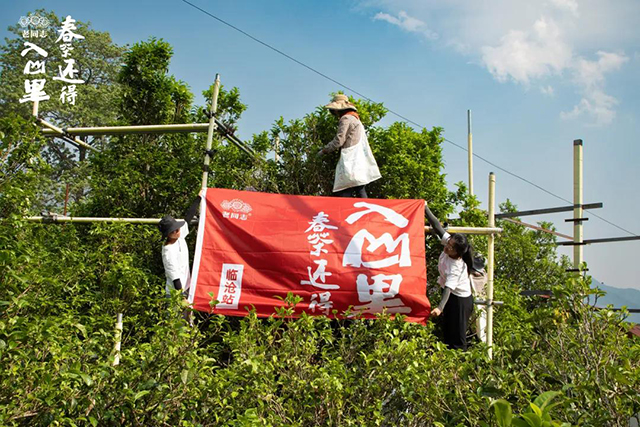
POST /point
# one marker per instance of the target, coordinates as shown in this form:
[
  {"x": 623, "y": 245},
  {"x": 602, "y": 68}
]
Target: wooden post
[
  {"x": 490, "y": 263},
  {"x": 577, "y": 202},
  {"x": 66, "y": 199},
  {"x": 116, "y": 358},
  {"x": 470, "y": 152},
  {"x": 212, "y": 128},
  {"x": 276, "y": 148}
]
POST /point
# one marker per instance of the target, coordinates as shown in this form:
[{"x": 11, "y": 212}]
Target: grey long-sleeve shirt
[{"x": 349, "y": 133}]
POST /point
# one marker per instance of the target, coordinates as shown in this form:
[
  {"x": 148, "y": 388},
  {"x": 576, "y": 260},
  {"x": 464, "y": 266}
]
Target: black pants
[
  {"x": 348, "y": 192},
  {"x": 455, "y": 318}
]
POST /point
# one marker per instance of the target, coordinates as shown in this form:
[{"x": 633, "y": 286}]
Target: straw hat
[{"x": 340, "y": 102}]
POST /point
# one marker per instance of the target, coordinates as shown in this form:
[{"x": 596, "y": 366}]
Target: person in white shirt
[
  {"x": 175, "y": 253},
  {"x": 454, "y": 265}
]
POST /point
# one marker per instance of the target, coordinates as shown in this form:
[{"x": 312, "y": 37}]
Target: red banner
[{"x": 366, "y": 255}]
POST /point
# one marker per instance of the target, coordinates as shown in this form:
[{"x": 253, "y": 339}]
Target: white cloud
[
  {"x": 590, "y": 77},
  {"x": 530, "y": 42},
  {"x": 407, "y": 23},
  {"x": 597, "y": 105},
  {"x": 591, "y": 73},
  {"x": 547, "y": 90},
  {"x": 526, "y": 55}
]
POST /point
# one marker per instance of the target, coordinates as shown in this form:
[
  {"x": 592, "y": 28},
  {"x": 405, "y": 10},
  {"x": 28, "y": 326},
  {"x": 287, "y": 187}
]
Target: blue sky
[{"x": 536, "y": 75}]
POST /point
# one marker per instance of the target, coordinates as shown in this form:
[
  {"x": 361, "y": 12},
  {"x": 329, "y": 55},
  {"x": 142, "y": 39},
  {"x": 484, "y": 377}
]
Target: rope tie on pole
[
  {"x": 209, "y": 114},
  {"x": 49, "y": 217}
]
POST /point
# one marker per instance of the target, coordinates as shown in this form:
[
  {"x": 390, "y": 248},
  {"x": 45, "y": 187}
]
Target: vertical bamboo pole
[
  {"x": 490, "y": 263},
  {"x": 116, "y": 358},
  {"x": 36, "y": 105},
  {"x": 66, "y": 200},
  {"x": 470, "y": 152},
  {"x": 212, "y": 128},
  {"x": 277, "y": 148},
  {"x": 577, "y": 203}
]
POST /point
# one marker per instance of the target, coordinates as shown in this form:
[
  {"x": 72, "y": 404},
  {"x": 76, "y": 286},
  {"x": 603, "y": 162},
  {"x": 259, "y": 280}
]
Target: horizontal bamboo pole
[
  {"x": 121, "y": 130},
  {"x": 535, "y": 227},
  {"x": 80, "y": 219},
  {"x": 148, "y": 129},
  {"x": 548, "y": 210},
  {"x": 470, "y": 230},
  {"x": 56, "y": 131},
  {"x": 603, "y": 240}
]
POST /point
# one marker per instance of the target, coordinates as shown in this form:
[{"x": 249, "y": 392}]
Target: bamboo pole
[
  {"x": 56, "y": 131},
  {"x": 276, "y": 149},
  {"x": 116, "y": 358},
  {"x": 535, "y": 227},
  {"x": 490, "y": 263},
  {"x": 66, "y": 199},
  {"x": 547, "y": 210},
  {"x": 122, "y": 130},
  {"x": 469, "y": 230},
  {"x": 150, "y": 129},
  {"x": 211, "y": 128},
  {"x": 577, "y": 202},
  {"x": 603, "y": 240},
  {"x": 59, "y": 219},
  {"x": 470, "y": 152}
]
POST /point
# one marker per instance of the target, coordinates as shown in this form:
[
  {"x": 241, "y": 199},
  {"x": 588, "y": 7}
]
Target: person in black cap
[{"x": 175, "y": 253}]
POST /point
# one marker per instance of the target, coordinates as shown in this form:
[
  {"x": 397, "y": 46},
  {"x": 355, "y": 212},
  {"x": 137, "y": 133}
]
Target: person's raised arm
[
  {"x": 433, "y": 221},
  {"x": 191, "y": 212}
]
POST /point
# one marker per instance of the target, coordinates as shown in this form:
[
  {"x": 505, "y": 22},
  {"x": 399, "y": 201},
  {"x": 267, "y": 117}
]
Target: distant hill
[{"x": 619, "y": 297}]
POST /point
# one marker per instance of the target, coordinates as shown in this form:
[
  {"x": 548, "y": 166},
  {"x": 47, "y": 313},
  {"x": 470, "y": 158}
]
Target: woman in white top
[
  {"x": 175, "y": 253},
  {"x": 454, "y": 265}
]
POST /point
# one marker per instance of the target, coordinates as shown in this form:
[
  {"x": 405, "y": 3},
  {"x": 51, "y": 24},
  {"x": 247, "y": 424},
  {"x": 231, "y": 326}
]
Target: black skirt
[{"x": 455, "y": 320}]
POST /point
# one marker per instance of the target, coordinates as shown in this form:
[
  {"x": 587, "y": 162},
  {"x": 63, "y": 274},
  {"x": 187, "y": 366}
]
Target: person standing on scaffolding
[
  {"x": 175, "y": 253},
  {"x": 357, "y": 167}
]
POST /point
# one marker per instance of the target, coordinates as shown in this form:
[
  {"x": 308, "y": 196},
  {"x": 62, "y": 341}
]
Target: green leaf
[
  {"x": 184, "y": 375},
  {"x": 535, "y": 409},
  {"x": 533, "y": 420},
  {"x": 82, "y": 329},
  {"x": 140, "y": 394},
  {"x": 503, "y": 412},
  {"x": 87, "y": 379},
  {"x": 489, "y": 391},
  {"x": 545, "y": 398}
]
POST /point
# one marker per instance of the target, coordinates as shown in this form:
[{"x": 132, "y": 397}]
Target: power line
[{"x": 389, "y": 110}]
